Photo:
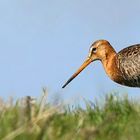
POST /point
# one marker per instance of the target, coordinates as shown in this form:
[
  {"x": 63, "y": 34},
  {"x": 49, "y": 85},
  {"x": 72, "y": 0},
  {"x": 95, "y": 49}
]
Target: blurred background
[{"x": 42, "y": 43}]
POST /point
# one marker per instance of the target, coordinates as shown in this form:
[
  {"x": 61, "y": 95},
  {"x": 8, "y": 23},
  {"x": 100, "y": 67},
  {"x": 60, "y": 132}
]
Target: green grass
[{"x": 117, "y": 119}]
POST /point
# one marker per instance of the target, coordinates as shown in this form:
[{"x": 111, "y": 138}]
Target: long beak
[{"x": 82, "y": 67}]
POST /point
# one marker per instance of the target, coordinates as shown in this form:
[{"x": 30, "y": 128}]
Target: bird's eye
[{"x": 94, "y": 50}]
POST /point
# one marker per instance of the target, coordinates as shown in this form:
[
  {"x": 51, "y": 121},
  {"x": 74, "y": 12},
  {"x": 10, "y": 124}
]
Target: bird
[{"x": 122, "y": 67}]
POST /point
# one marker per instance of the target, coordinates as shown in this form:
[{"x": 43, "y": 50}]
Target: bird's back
[{"x": 129, "y": 65}]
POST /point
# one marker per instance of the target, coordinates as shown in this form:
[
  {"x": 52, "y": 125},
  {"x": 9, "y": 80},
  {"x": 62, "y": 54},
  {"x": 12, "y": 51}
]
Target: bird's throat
[{"x": 110, "y": 65}]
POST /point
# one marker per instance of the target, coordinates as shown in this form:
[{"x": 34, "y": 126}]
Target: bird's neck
[{"x": 110, "y": 64}]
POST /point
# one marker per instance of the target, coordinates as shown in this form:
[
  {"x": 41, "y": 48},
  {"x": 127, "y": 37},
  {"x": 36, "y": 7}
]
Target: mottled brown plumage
[
  {"x": 122, "y": 67},
  {"x": 129, "y": 65}
]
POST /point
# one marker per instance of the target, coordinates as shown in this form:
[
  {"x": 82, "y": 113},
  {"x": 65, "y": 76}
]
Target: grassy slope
[{"x": 118, "y": 119}]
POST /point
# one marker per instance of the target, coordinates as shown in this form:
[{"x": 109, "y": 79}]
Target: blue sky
[{"x": 43, "y": 42}]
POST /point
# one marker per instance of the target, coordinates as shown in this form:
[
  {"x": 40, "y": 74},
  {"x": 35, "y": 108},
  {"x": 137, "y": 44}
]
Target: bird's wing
[{"x": 129, "y": 63}]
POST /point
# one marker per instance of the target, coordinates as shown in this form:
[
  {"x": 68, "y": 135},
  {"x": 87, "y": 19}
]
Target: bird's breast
[{"x": 111, "y": 67}]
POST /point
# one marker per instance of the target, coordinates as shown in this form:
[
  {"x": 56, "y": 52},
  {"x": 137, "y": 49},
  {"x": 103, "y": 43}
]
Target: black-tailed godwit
[{"x": 122, "y": 67}]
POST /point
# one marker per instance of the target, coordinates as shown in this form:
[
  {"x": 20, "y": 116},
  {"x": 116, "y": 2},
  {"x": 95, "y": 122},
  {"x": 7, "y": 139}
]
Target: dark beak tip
[{"x": 67, "y": 82}]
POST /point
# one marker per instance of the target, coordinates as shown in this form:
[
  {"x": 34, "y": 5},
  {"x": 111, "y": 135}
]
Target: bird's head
[{"x": 99, "y": 50}]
